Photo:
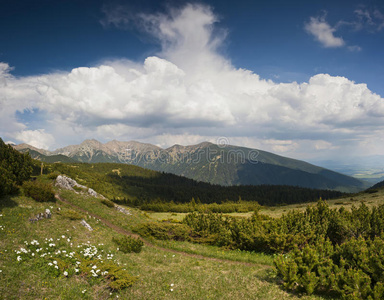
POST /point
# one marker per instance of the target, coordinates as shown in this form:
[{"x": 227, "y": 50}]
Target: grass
[
  {"x": 368, "y": 199},
  {"x": 162, "y": 274},
  {"x": 161, "y": 216},
  {"x": 219, "y": 253}
]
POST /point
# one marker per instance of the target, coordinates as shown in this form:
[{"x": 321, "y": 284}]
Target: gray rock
[
  {"x": 123, "y": 210},
  {"x": 86, "y": 225},
  {"x": 47, "y": 214},
  {"x": 93, "y": 193},
  {"x": 67, "y": 183}
]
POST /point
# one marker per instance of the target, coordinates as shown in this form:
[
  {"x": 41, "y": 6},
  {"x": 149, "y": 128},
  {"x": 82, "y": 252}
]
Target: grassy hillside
[
  {"x": 369, "y": 198},
  {"x": 48, "y": 158},
  {"x": 139, "y": 186},
  {"x": 159, "y": 273},
  {"x": 224, "y": 165}
]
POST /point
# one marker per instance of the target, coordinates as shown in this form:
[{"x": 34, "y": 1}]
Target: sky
[{"x": 302, "y": 79}]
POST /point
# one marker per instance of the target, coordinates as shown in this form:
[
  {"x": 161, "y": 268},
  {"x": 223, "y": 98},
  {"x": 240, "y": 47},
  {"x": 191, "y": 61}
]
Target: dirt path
[{"x": 148, "y": 244}]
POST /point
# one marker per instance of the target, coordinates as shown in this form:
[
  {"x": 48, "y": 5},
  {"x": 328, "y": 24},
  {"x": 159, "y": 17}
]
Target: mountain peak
[
  {"x": 202, "y": 162},
  {"x": 91, "y": 142}
]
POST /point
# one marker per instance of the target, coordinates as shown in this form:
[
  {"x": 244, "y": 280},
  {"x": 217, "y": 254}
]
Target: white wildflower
[{"x": 65, "y": 273}]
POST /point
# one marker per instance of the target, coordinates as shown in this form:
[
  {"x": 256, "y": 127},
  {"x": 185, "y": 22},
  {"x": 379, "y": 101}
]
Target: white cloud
[
  {"x": 372, "y": 20},
  {"x": 323, "y": 32},
  {"x": 354, "y": 48},
  {"x": 37, "y": 138},
  {"x": 188, "y": 93}
]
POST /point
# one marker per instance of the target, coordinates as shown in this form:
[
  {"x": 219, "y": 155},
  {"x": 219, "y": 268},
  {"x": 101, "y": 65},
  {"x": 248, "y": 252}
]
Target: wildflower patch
[{"x": 60, "y": 258}]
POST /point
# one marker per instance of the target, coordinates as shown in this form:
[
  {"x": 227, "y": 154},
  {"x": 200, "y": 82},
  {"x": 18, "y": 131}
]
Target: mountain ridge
[{"x": 208, "y": 162}]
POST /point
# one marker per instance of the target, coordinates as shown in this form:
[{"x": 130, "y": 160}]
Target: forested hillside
[
  {"x": 225, "y": 165},
  {"x": 133, "y": 185}
]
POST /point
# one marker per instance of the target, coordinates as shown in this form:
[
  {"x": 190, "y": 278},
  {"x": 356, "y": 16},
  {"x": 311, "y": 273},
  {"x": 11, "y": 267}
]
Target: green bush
[
  {"x": 7, "y": 182},
  {"x": 128, "y": 244},
  {"x": 354, "y": 269},
  {"x": 71, "y": 214},
  {"x": 107, "y": 202},
  {"x": 79, "y": 189},
  {"x": 53, "y": 175},
  {"x": 39, "y": 191},
  {"x": 15, "y": 168},
  {"x": 164, "y": 231}
]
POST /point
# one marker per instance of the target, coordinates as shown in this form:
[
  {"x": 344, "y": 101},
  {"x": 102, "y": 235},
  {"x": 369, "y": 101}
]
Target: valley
[{"x": 190, "y": 238}]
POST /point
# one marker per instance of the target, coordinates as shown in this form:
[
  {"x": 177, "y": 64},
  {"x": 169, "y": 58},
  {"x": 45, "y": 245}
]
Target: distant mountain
[
  {"x": 48, "y": 158},
  {"x": 224, "y": 165},
  {"x": 366, "y": 168},
  {"x": 378, "y": 185}
]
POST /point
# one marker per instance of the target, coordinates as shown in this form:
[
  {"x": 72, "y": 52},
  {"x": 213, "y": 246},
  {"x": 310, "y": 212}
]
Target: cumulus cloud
[
  {"x": 323, "y": 32},
  {"x": 189, "y": 93},
  {"x": 37, "y": 138}
]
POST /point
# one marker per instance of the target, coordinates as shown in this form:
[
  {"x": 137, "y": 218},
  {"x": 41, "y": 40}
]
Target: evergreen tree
[{"x": 15, "y": 168}]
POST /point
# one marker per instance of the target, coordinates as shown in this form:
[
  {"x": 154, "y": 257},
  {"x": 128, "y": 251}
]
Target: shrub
[
  {"x": 164, "y": 231},
  {"x": 39, "y": 191},
  {"x": 7, "y": 182},
  {"x": 107, "y": 202},
  {"x": 78, "y": 189},
  {"x": 15, "y": 168},
  {"x": 128, "y": 244},
  {"x": 71, "y": 214},
  {"x": 53, "y": 175}
]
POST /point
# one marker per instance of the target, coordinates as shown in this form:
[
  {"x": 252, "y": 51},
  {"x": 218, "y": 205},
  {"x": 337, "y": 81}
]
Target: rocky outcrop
[
  {"x": 123, "y": 210},
  {"x": 46, "y": 215},
  {"x": 67, "y": 183},
  {"x": 86, "y": 225}
]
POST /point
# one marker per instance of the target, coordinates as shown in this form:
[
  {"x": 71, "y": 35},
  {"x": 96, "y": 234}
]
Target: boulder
[
  {"x": 86, "y": 225},
  {"x": 68, "y": 183},
  {"x": 123, "y": 210}
]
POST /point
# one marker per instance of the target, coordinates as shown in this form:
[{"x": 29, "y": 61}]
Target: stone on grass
[
  {"x": 123, "y": 210},
  {"x": 86, "y": 225}
]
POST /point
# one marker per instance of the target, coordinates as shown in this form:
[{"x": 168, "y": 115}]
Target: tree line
[
  {"x": 15, "y": 168},
  {"x": 135, "y": 186}
]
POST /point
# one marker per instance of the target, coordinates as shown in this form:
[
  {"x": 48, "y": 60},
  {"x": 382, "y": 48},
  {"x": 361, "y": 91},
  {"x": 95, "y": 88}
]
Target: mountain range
[{"x": 207, "y": 162}]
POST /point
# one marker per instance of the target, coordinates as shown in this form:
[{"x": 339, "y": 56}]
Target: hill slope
[
  {"x": 224, "y": 165},
  {"x": 139, "y": 186},
  {"x": 378, "y": 185}
]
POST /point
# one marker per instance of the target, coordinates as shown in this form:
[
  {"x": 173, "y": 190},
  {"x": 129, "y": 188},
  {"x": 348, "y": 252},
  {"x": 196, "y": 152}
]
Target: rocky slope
[{"x": 225, "y": 165}]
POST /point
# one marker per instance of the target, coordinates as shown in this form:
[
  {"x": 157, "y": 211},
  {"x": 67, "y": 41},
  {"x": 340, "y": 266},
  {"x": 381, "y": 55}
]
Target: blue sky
[{"x": 298, "y": 78}]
